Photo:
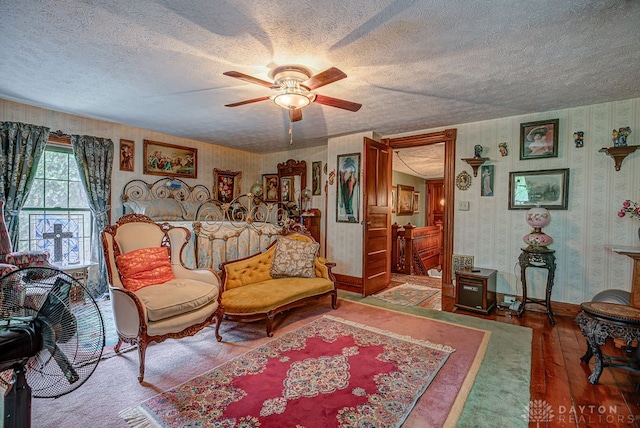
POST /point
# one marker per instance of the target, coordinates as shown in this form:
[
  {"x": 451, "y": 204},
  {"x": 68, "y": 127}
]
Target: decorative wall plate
[{"x": 463, "y": 180}]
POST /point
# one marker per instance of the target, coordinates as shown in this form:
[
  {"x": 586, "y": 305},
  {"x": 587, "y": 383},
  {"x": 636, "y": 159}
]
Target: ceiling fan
[{"x": 294, "y": 85}]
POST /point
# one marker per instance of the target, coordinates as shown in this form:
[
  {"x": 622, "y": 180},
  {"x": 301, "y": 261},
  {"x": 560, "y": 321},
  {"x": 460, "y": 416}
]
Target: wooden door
[
  {"x": 435, "y": 202},
  {"x": 376, "y": 265}
]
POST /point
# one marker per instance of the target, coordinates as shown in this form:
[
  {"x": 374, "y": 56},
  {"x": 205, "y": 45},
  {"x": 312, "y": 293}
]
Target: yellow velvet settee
[{"x": 250, "y": 291}]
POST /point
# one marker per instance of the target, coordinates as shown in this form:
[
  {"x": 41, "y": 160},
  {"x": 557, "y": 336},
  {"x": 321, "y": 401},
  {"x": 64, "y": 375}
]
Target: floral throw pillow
[
  {"x": 294, "y": 258},
  {"x": 144, "y": 267}
]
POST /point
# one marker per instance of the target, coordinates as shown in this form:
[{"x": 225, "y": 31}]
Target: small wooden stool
[{"x": 598, "y": 321}]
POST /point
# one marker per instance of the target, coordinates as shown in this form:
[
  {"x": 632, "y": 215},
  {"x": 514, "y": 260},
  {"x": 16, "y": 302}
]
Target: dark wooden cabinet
[
  {"x": 311, "y": 222},
  {"x": 476, "y": 289}
]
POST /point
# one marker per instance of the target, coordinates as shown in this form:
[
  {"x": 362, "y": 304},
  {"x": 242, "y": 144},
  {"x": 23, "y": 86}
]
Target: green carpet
[{"x": 500, "y": 392}]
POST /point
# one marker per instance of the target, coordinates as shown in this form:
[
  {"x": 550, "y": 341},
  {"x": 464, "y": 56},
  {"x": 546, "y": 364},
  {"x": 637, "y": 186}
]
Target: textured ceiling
[{"x": 412, "y": 64}]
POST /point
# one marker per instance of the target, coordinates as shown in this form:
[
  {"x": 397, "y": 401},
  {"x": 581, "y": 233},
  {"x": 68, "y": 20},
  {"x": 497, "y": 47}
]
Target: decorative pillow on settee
[
  {"x": 294, "y": 258},
  {"x": 158, "y": 209},
  {"x": 144, "y": 267}
]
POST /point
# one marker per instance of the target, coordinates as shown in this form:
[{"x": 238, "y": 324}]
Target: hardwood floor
[{"x": 559, "y": 379}]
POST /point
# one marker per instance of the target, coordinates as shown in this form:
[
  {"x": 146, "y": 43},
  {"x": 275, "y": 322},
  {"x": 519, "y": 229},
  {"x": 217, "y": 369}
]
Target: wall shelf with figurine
[
  {"x": 475, "y": 163},
  {"x": 618, "y": 153}
]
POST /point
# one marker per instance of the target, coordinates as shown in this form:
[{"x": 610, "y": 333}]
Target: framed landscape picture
[
  {"x": 547, "y": 188},
  {"x": 170, "y": 160},
  {"x": 539, "y": 139},
  {"x": 226, "y": 184}
]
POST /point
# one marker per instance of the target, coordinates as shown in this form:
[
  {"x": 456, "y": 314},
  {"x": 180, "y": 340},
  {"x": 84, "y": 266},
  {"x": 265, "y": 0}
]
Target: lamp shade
[
  {"x": 538, "y": 217},
  {"x": 291, "y": 100},
  {"x": 256, "y": 189}
]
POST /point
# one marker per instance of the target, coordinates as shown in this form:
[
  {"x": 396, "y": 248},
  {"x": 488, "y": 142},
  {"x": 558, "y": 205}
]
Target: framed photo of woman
[
  {"x": 486, "y": 188},
  {"x": 270, "y": 188},
  {"x": 539, "y": 139},
  {"x": 127, "y": 153},
  {"x": 348, "y": 194}
]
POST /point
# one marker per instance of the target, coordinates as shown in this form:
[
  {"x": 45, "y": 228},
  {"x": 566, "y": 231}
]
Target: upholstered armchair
[
  {"x": 153, "y": 295},
  {"x": 13, "y": 260}
]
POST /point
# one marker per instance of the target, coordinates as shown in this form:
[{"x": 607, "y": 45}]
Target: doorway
[{"x": 448, "y": 137}]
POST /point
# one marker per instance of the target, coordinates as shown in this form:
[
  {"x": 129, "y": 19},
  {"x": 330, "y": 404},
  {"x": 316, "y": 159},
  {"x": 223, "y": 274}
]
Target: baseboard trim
[
  {"x": 558, "y": 308},
  {"x": 349, "y": 283}
]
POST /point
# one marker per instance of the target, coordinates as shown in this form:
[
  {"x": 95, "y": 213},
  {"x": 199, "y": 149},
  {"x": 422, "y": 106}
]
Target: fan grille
[{"x": 73, "y": 331}]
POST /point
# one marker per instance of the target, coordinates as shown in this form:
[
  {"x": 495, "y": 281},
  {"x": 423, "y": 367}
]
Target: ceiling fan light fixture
[
  {"x": 292, "y": 96},
  {"x": 291, "y": 101}
]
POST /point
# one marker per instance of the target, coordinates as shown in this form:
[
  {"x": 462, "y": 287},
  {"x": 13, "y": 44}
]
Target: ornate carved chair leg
[
  {"x": 334, "y": 300},
  {"x": 219, "y": 316},
  {"x": 270, "y": 316},
  {"x": 116, "y": 349},
  {"x": 142, "y": 349}
]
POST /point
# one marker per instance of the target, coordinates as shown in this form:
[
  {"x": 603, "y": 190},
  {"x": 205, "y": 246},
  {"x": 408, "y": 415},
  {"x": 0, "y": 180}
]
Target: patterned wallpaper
[
  {"x": 344, "y": 240},
  {"x": 493, "y": 234},
  {"x": 209, "y": 156},
  {"x": 488, "y": 231}
]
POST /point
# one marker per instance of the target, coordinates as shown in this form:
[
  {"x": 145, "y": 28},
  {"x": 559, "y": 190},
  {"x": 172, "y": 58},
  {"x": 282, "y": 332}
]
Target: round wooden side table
[{"x": 598, "y": 321}]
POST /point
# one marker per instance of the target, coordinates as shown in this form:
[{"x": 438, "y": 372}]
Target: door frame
[{"x": 448, "y": 137}]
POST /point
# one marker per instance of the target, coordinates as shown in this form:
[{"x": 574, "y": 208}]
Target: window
[{"x": 56, "y": 215}]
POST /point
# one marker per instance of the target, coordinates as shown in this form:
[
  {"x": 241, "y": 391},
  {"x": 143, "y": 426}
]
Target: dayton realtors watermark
[{"x": 539, "y": 411}]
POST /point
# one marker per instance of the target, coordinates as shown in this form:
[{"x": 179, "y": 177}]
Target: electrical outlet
[{"x": 509, "y": 299}]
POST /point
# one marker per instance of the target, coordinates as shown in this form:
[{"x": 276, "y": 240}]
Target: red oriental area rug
[{"x": 330, "y": 372}]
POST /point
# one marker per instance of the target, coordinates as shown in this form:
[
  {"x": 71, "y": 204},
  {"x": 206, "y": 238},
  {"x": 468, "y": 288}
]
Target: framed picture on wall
[
  {"x": 270, "y": 187},
  {"x": 539, "y": 139},
  {"x": 486, "y": 175},
  {"x": 170, "y": 160},
  {"x": 226, "y": 184},
  {"x": 405, "y": 200},
  {"x": 348, "y": 194},
  {"x": 394, "y": 193},
  {"x": 127, "y": 153},
  {"x": 461, "y": 262},
  {"x": 547, "y": 188},
  {"x": 416, "y": 202},
  {"x": 316, "y": 178},
  {"x": 286, "y": 189}
]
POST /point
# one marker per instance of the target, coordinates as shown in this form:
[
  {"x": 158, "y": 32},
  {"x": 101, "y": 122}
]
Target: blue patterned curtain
[
  {"x": 22, "y": 148},
  {"x": 95, "y": 162}
]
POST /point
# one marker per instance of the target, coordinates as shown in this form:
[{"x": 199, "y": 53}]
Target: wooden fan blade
[
  {"x": 324, "y": 78},
  {"x": 248, "y": 78},
  {"x": 335, "y": 102},
  {"x": 255, "y": 100},
  {"x": 295, "y": 115}
]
